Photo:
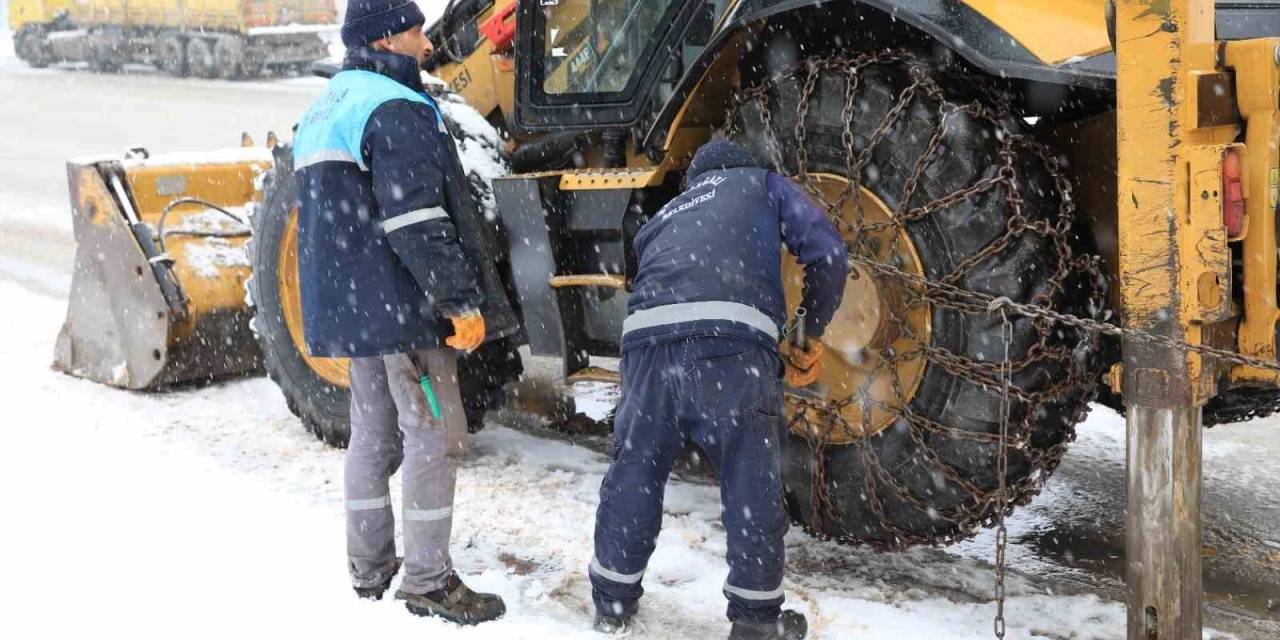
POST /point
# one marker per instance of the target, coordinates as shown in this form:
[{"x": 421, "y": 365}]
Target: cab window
[{"x": 598, "y": 46}]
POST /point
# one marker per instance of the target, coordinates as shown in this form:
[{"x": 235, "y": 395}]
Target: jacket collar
[{"x": 402, "y": 69}]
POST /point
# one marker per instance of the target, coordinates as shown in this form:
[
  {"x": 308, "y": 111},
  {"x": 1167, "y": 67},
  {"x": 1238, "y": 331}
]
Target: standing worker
[
  {"x": 700, "y": 364},
  {"x": 388, "y": 272}
]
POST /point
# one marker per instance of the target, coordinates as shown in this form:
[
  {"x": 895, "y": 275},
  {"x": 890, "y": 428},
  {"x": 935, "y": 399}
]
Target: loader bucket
[{"x": 148, "y": 310}]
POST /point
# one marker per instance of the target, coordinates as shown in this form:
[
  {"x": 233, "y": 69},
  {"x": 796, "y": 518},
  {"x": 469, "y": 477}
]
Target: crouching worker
[
  {"x": 700, "y": 365},
  {"x": 389, "y": 278}
]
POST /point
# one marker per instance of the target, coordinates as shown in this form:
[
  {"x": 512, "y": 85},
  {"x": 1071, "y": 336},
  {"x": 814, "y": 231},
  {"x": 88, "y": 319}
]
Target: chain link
[
  {"x": 1002, "y": 470},
  {"x": 1029, "y": 376},
  {"x": 800, "y": 83},
  {"x": 1035, "y": 374}
]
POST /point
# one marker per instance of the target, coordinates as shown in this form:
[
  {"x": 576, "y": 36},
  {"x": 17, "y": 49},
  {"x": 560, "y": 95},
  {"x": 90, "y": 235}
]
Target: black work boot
[
  {"x": 790, "y": 625},
  {"x": 611, "y": 625},
  {"x": 375, "y": 592},
  {"x": 455, "y": 603}
]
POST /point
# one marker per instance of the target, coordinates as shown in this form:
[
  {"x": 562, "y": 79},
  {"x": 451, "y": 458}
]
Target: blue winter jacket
[
  {"x": 381, "y": 264},
  {"x": 710, "y": 264}
]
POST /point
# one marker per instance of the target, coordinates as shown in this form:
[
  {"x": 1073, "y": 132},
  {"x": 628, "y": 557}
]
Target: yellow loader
[{"x": 968, "y": 150}]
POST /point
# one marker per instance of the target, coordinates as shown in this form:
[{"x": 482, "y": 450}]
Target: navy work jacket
[
  {"x": 709, "y": 262},
  {"x": 383, "y": 255}
]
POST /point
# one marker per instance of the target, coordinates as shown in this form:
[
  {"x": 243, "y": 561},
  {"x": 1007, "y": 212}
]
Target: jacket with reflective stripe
[
  {"x": 387, "y": 233},
  {"x": 720, "y": 242}
]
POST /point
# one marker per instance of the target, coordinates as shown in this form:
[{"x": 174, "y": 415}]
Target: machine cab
[{"x": 593, "y": 64}]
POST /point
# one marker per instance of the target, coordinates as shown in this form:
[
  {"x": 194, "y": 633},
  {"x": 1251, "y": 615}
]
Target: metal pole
[
  {"x": 1162, "y": 541},
  {"x": 1161, "y": 44}
]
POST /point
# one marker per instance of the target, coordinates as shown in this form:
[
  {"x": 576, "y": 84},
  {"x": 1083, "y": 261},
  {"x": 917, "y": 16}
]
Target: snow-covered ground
[{"x": 211, "y": 511}]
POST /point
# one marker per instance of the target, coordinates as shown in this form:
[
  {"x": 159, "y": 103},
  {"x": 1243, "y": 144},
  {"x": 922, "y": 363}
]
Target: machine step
[
  {"x": 594, "y": 374},
  {"x": 610, "y": 280}
]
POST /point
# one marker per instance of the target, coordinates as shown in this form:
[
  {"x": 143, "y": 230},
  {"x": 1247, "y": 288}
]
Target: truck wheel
[
  {"x": 316, "y": 389},
  {"x": 200, "y": 58},
  {"x": 107, "y": 50},
  {"x": 228, "y": 56},
  {"x": 172, "y": 58},
  {"x": 29, "y": 44},
  {"x": 252, "y": 66},
  {"x": 907, "y": 451}
]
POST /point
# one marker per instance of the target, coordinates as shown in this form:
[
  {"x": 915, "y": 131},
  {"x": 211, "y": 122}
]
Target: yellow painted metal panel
[
  {"x": 94, "y": 12},
  {"x": 607, "y": 280},
  {"x": 1165, "y": 254},
  {"x": 23, "y": 12},
  {"x": 208, "y": 268},
  {"x": 1257, "y": 94},
  {"x": 606, "y": 179},
  {"x": 485, "y": 80},
  {"x": 1055, "y": 32},
  {"x": 213, "y": 15}
]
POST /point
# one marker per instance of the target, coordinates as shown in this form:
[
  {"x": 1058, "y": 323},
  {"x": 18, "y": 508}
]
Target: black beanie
[
  {"x": 369, "y": 20},
  {"x": 720, "y": 154}
]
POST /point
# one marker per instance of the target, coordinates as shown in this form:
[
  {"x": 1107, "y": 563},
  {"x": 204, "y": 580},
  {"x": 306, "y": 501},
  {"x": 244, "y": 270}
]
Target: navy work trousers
[{"x": 725, "y": 396}]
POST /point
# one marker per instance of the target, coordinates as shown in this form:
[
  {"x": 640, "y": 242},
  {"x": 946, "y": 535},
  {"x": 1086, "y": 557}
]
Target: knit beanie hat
[
  {"x": 720, "y": 154},
  {"x": 369, "y": 20}
]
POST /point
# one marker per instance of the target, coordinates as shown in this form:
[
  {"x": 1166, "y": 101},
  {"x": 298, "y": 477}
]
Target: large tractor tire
[
  {"x": 316, "y": 389},
  {"x": 907, "y": 450}
]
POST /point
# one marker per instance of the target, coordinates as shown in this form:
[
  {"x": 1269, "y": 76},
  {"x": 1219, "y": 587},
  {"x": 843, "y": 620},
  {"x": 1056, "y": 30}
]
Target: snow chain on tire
[
  {"x": 1045, "y": 370},
  {"x": 1064, "y": 329}
]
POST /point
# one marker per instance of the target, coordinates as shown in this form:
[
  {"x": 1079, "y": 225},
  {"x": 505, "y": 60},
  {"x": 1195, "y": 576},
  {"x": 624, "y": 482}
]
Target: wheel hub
[
  {"x": 873, "y": 362},
  {"x": 856, "y": 328}
]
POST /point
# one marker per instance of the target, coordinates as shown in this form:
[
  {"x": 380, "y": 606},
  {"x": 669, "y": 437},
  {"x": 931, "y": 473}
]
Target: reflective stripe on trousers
[
  {"x": 609, "y": 574},
  {"x": 392, "y": 423},
  {"x": 751, "y": 594},
  {"x": 723, "y": 395}
]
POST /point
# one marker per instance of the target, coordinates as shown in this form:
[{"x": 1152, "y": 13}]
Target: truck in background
[{"x": 201, "y": 38}]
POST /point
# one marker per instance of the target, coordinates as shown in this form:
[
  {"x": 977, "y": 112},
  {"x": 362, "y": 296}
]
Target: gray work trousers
[{"x": 391, "y": 424}]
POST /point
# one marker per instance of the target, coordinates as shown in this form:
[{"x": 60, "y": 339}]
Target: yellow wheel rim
[
  {"x": 332, "y": 370},
  {"x": 877, "y": 316}
]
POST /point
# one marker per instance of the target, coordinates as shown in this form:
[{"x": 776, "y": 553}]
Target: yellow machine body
[
  {"x": 1056, "y": 33},
  {"x": 24, "y": 12},
  {"x": 148, "y": 310},
  {"x": 1061, "y": 33}
]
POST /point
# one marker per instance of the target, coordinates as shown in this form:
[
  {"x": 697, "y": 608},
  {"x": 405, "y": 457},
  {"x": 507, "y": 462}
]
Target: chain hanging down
[{"x": 1002, "y": 470}]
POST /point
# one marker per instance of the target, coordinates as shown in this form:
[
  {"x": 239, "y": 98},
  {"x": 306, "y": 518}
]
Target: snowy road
[
  {"x": 211, "y": 512},
  {"x": 49, "y": 116}
]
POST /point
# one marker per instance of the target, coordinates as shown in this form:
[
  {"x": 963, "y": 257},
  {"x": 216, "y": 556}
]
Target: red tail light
[{"x": 1232, "y": 193}]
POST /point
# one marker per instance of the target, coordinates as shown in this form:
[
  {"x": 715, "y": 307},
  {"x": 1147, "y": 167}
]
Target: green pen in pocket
[{"x": 431, "y": 396}]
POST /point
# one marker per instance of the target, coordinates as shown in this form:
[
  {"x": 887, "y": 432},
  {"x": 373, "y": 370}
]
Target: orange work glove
[
  {"x": 803, "y": 364},
  {"x": 468, "y": 332}
]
